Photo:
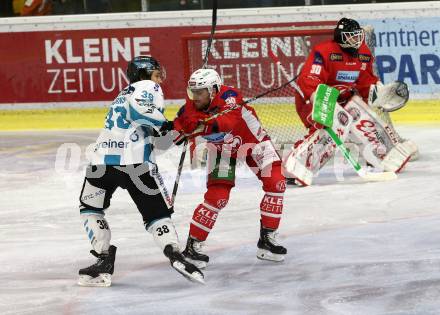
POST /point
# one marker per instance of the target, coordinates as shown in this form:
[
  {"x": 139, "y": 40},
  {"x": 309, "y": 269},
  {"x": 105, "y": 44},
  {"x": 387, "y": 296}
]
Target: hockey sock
[
  {"x": 164, "y": 233},
  {"x": 203, "y": 221},
  {"x": 97, "y": 229},
  {"x": 271, "y": 208}
]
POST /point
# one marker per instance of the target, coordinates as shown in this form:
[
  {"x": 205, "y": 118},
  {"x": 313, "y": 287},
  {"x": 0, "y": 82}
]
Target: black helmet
[
  {"x": 349, "y": 35},
  {"x": 141, "y": 65}
]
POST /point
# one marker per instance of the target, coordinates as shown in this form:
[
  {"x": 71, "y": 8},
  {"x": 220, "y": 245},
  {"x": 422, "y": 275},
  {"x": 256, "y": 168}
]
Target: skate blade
[
  {"x": 264, "y": 254},
  {"x": 103, "y": 280},
  {"x": 198, "y": 263},
  {"x": 195, "y": 276}
]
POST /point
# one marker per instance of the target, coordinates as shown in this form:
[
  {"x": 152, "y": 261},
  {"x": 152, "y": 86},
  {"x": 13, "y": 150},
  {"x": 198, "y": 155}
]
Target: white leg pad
[
  {"x": 294, "y": 167},
  {"x": 305, "y": 161},
  {"x": 98, "y": 231},
  {"x": 412, "y": 148},
  {"x": 164, "y": 233},
  {"x": 396, "y": 159}
]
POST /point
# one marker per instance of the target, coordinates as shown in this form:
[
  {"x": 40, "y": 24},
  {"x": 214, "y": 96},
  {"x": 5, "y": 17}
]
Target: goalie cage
[{"x": 241, "y": 57}]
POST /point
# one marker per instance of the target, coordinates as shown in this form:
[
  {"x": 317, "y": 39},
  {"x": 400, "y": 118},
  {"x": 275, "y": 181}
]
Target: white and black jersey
[
  {"x": 123, "y": 155},
  {"x": 128, "y": 131}
]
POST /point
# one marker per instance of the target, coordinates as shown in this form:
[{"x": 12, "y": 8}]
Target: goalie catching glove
[{"x": 389, "y": 97}]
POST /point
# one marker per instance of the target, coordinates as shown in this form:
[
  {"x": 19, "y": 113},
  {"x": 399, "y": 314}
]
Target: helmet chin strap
[{"x": 214, "y": 91}]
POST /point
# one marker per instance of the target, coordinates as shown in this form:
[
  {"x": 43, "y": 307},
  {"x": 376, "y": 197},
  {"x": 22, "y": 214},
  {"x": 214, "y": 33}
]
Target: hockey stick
[
  {"x": 250, "y": 100},
  {"x": 179, "y": 171},
  {"x": 283, "y": 70},
  {"x": 213, "y": 26},
  {"x": 368, "y": 176},
  {"x": 205, "y": 62}
]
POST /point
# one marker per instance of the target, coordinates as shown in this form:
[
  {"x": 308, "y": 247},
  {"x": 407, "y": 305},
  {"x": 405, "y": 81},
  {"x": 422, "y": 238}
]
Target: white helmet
[{"x": 204, "y": 79}]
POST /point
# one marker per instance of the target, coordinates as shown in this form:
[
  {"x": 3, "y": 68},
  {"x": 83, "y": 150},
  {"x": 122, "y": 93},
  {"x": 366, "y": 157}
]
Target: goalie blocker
[{"x": 355, "y": 121}]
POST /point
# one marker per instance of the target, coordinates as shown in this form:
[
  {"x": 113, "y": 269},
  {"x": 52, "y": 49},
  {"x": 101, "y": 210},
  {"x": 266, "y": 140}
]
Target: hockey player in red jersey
[
  {"x": 346, "y": 63},
  {"x": 217, "y": 113},
  {"x": 347, "y": 67}
]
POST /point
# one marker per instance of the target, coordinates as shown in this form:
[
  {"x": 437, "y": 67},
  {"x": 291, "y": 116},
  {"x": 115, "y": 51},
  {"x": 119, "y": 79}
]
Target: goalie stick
[
  {"x": 369, "y": 176},
  {"x": 205, "y": 62}
]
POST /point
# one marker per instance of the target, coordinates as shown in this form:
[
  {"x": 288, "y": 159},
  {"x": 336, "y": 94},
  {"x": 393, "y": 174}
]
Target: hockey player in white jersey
[{"x": 123, "y": 157}]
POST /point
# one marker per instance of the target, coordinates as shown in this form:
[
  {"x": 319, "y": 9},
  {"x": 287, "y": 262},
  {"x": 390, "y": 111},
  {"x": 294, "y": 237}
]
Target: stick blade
[{"x": 378, "y": 177}]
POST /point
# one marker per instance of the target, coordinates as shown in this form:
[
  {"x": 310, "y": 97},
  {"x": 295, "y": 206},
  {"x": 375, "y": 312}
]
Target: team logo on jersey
[
  {"x": 336, "y": 57},
  {"x": 231, "y": 101},
  {"x": 343, "y": 118},
  {"x": 150, "y": 107},
  {"x": 156, "y": 87},
  {"x": 364, "y": 58},
  {"x": 347, "y": 76},
  {"x": 318, "y": 59},
  {"x": 354, "y": 113},
  {"x": 229, "y": 93}
]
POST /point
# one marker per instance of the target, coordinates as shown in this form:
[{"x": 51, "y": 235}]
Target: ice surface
[{"x": 353, "y": 247}]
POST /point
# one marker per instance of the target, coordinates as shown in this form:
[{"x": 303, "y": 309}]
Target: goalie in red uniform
[
  {"x": 232, "y": 131},
  {"x": 346, "y": 63}
]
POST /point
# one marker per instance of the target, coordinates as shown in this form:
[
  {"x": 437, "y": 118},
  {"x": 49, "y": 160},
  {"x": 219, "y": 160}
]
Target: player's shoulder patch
[
  {"x": 336, "y": 57},
  {"x": 229, "y": 93},
  {"x": 364, "y": 57},
  {"x": 317, "y": 58}
]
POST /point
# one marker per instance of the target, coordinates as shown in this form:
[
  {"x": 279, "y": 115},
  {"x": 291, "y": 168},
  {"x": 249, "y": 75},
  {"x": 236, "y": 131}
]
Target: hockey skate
[
  {"x": 100, "y": 273},
  {"x": 178, "y": 262},
  {"x": 193, "y": 253},
  {"x": 268, "y": 248}
]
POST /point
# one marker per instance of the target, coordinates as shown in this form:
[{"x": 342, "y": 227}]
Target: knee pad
[
  {"x": 218, "y": 195},
  {"x": 276, "y": 183},
  {"x": 98, "y": 230}
]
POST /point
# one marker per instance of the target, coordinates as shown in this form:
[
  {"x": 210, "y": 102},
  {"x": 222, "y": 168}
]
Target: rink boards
[{"x": 416, "y": 112}]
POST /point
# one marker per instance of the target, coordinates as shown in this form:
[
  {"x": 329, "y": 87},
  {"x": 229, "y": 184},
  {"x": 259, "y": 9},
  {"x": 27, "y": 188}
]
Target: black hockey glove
[{"x": 166, "y": 127}]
